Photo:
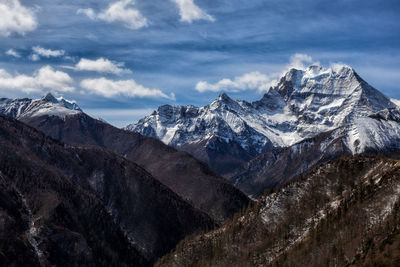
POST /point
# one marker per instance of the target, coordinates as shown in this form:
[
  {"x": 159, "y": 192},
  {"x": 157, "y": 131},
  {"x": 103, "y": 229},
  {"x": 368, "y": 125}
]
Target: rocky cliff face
[
  {"x": 377, "y": 133},
  {"x": 276, "y": 167}
]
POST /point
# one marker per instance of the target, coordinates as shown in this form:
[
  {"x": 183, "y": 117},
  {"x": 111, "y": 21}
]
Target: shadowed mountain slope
[
  {"x": 184, "y": 174},
  {"x": 342, "y": 213},
  {"x": 83, "y": 206}
]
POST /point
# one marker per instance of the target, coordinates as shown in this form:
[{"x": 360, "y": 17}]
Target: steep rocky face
[
  {"x": 69, "y": 206},
  {"x": 304, "y": 104},
  {"x": 14, "y": 223},
  {"x": 337, "y": 214},
  {"x": 278, "y": 166},
  {"x": 338, "y": 91},
  {"x": 215, "y": 133},
  {"x": 184, "y": 174},
  {"x": 377, "y": 133}
]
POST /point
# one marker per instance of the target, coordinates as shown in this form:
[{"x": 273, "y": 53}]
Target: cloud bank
[
  {"x": 120, "y": 11},
  {"x": 129, "y": 88},
  {"x": 16, "y": 18},
  {"x": 45, "y": 78},
  {"x": 254, "y": 80},
  {"x": 48, "y": 79},
  {"x": 248, "y": 81},
  {"x": 190, "y": 12},
  {"x": 299, "y": 61}
]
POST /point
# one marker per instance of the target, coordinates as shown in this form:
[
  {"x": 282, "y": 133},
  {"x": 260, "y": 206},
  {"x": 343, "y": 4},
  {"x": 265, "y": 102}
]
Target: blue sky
[{"x": 120, "y": 59}]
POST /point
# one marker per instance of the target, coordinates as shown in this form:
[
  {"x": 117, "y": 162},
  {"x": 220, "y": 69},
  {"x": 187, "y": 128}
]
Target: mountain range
[
  {"x": 66, "y": 122},
  {"x": 310, "y": 116},
  {"x": 70, "y": 176},
  {"x": 180, "y": 187}
]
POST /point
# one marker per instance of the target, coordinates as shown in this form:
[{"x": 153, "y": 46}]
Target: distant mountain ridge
[
  {"x": 47, "y": 105},
  {"x": 305, "y": 104},
  {"x": 185, "y": 175},
  {"x": 310, "y": 116}
]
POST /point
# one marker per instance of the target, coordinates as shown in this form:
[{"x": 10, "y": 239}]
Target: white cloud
[
  {"x": 69, "y": 58},
  {"x": 255, "y": 80},
  {"x": 16, "y": 18},
  {"x": 109, "y": 88},
  {"x": 248, "y": 81},
  {"x": 43, "y": 52},
  {"x": 298, "y": 61},
  {"x": 45, "y": 78},
  {"x": 34, "y": 57},
  {"x": 88, "y": 12},
  {"x": 189, "y": 11},
  {"x": 101, "y": 65},
  {"x": 13, "y": 53},
  {"x": 121, "y": 11}
]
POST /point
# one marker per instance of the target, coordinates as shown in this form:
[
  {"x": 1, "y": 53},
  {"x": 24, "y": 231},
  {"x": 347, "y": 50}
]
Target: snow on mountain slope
[
  {"x": 372, "y": 134},
  {"x": 396, "y": 102},
  {"x": 302, "y": 105},
  {"x": 47, "y": 105},
  {"x": 225, "y": 118}
]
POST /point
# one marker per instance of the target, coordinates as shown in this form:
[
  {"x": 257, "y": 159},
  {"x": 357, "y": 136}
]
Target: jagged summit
[
  {"x": 271, "y": 100},
  {"x": 47, "y": 105},
  {"x": 337, "y": 80},
  {"x": 69, "y": 104},
  {"x": 49, "y": 98},
  {"x": 304, "y": 103},
  {"x": 223, "y": 97}
]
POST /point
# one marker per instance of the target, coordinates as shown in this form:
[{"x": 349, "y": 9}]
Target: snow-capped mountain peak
[
  {"x": 305, "y": 103},
  {"x": 68, "y": 103},
  {"x": 339, "y": 91},
  {"x": 224, "y": 102},
  {"x": 311, "y": 79},
  {"x": 49, "y": 98},
  {"x": 47, "y": 105},
  {"x": 223, "y": 97}
]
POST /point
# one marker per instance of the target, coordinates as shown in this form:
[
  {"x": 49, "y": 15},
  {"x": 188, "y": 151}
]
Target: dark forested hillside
[
  {"x": 345, "y": 212},
  {"x": 70, "y": 206},
  {"x": 185, "y": 175}
]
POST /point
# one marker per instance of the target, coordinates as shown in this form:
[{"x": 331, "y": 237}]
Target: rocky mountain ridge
[
  {"x": 47, "y": 105},
  {"x": 302, "y": 105},
  {"x": 181, "y": 172}
]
